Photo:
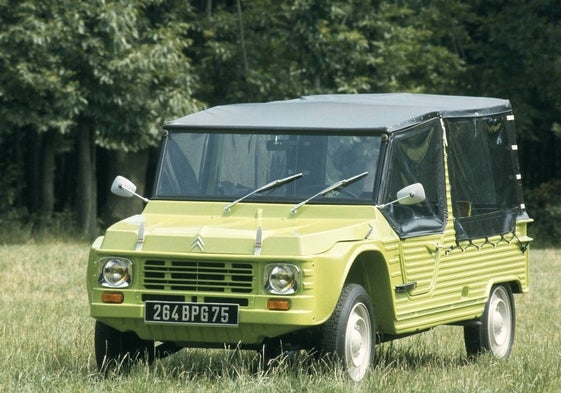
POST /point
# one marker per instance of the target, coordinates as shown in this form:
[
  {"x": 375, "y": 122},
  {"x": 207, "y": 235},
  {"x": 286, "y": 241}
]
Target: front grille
[
  {"x": 198, "y": 276},
  {"x": 162, "y": 298}
]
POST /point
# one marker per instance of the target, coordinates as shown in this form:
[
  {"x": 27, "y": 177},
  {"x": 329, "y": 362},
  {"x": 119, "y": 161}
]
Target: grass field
[{"x": 46, "y": 343}]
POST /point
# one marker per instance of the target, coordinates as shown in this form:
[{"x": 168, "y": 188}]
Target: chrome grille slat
[{"x": 204, "y": 276}]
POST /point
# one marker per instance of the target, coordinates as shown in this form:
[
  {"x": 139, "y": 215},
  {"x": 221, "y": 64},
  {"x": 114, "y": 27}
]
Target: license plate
[{"x": 191, "y": 313}]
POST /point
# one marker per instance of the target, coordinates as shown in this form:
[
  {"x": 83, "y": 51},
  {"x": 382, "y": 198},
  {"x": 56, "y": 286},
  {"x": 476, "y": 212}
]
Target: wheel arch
[
  {"x": 370, "y": 270},
  {"x": 514, "y": 284}
]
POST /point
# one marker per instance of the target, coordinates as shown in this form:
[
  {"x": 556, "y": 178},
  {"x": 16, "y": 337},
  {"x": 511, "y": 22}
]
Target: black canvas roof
[{"x": 384, "y": 112}]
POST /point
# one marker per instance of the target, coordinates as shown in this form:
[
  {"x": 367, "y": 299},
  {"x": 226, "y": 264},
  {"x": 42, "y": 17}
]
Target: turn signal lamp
[
  {"x": 112, "y": 297},
  {"x": 278, "y": 304}
]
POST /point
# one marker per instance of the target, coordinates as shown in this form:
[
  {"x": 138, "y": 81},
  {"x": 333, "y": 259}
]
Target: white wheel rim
[
  {"x": 500, "y": 323},
  {"x": 358, "y": 342}
]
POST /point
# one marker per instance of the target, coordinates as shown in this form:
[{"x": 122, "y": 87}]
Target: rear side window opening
[{"x": 484, "y": 175}]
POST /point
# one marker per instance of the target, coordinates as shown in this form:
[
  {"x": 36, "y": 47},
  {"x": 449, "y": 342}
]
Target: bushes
[
  {"x": 544, "y": 206},
  {"x": 18, "y": 227}
]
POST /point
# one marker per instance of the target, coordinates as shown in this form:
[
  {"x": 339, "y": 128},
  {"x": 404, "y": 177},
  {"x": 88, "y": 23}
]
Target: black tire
[
  {"x": 270, "y": 352},
  {"x": 118, "y": 351},
  {"x": 350, "y": 332},
  {"x": 495, "y": 334}
]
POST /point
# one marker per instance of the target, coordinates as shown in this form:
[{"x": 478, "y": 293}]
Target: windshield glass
[{"x": 226, "y": 166}]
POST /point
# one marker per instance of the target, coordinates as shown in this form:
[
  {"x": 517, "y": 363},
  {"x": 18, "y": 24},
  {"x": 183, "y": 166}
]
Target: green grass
[{"x": 46, "y": 343}]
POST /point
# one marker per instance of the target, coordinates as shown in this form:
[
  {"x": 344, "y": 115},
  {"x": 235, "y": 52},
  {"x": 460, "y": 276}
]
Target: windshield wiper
[
  {"x": 333, "y": 187},
  {"x": 269, "y": 186}
]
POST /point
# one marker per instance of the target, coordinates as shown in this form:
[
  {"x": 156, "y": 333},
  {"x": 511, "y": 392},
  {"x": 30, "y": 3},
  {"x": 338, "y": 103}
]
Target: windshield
[{"x": 227, "y": 166}]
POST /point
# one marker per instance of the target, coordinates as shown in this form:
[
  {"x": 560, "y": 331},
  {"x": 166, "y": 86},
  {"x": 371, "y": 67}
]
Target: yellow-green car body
[{"x": 302, "y": 222}]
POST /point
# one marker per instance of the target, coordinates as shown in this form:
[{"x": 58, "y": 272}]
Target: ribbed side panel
[{"x": 453, "y": 280}]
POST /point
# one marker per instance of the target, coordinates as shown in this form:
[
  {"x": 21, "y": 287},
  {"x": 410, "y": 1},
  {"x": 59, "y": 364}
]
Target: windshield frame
[{"x": 335, "y": 197}]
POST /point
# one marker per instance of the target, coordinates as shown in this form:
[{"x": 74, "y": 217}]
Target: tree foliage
[
  {"x": 100, "y": 72},
  {"x": 512, "y": 52},
  {"x": 37, "y": 91},
  {"x": 272, "y": 50},
  {"x": 109, "y": 73}
]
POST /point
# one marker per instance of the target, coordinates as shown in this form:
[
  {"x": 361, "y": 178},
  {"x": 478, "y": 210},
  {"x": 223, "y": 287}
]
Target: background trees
[
  {"x": 275, "y": 50},
  {"x": 80, "y": 76},
  {"x": 85, "y": 86},
  {"x": 512, "y": 53}
]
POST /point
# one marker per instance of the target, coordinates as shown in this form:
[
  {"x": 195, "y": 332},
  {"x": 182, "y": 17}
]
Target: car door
[{"x": 415, "y": 155}]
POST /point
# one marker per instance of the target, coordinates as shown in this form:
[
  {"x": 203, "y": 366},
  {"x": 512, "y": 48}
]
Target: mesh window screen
[{"x": 484, "y": 178}]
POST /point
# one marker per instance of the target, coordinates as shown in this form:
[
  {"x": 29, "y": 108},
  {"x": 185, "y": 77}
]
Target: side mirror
[
  {"x": 123, "y": 187},
  {"x": 410, "y": 195}
]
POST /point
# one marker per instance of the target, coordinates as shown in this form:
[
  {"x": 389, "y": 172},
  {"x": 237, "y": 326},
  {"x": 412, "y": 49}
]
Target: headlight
[
  {"x": 115, "y": 272},
  {"x": 282, "y": 279}
]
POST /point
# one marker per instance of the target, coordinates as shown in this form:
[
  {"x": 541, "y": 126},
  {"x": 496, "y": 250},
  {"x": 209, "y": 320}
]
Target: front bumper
[{"x": 256, "y": 322}]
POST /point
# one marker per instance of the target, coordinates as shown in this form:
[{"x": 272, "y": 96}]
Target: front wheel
[
  {"x": 115, "y": 350},
  {"x": 350, "y": 332},
  {"x": 495, "y": 334}
]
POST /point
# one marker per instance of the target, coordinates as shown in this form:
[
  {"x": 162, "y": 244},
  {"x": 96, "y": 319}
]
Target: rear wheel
[
  {"x": 495, "y": 334},
  {"x": 349, "y": 333},
  {"x": 116, "y": 351}
]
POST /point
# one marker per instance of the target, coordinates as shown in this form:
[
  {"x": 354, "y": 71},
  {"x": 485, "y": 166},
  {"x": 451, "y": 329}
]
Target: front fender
[{"x": 333, "y": 270}]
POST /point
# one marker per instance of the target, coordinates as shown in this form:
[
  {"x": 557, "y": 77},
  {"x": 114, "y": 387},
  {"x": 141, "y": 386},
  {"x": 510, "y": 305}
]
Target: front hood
[{"x": 248, "y": 229}]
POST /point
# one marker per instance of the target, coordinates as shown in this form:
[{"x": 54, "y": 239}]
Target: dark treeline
[{"x": 86, "y": 86}]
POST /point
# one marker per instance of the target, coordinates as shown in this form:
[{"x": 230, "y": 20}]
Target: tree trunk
[
  {"x": 242, "y": 40},
  {"x": 132, "y": 166},
  {"x": 47, "y": 181},
  {"x": 86, "y": 196},
  {"x": 209, "y": 9},
  {"x": 32, "y": 154}
]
